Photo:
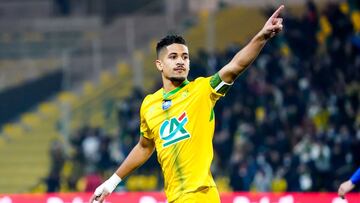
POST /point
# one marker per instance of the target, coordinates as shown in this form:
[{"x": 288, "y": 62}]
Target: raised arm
[
  {"x": 138, "y": 155},
  {"x": 248, "y": 54}
]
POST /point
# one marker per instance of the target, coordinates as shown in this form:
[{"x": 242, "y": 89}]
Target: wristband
[
  {"x": 112, "y": 182},
  {"x": 109, "y": 185}
]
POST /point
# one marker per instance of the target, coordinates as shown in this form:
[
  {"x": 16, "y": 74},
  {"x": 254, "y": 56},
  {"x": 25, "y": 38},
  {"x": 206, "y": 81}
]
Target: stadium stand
[{"x": 294, "y": 122}]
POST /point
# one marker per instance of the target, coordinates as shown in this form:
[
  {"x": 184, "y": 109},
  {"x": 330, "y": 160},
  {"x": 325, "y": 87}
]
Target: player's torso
[
  {"x": 182, "y": 125},
  {"x": 174, "y": 119},
  {"x": 182, "y": 128}
]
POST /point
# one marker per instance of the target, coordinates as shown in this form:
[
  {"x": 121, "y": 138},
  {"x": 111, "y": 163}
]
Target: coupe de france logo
[{"x": 173, "y": 130}]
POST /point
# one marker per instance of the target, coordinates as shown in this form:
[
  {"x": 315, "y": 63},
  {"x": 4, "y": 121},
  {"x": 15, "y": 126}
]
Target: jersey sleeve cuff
[{"x": 218, "y": 85}]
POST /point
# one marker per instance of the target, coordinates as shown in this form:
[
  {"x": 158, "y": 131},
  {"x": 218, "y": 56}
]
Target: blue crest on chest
[{"x": 166, "y": 104}]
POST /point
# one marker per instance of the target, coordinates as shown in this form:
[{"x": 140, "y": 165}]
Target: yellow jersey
[{"x": 181, "y": 124}]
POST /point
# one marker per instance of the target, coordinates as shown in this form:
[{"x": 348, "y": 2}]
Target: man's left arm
[{"x": 248, "y": 54}]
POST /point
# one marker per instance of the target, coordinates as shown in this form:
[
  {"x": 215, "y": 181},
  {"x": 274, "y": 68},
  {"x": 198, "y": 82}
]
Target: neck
[{"x": 169, "y": 85}]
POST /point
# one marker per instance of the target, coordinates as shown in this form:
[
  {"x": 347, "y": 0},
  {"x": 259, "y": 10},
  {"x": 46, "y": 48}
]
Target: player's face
[{"x": 174, "y": 62}]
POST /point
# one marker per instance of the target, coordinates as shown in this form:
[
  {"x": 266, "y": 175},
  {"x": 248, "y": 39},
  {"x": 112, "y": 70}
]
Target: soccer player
[
  {"x": 348, "y": 185},
  {"x": 178, "y": 120}
]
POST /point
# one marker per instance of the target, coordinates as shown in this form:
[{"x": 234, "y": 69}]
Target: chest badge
[{"x": 166, "y": 104}]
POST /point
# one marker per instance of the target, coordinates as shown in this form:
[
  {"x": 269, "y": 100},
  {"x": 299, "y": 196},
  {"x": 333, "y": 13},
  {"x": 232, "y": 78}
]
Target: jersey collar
[{"x": 166, "y": 95}]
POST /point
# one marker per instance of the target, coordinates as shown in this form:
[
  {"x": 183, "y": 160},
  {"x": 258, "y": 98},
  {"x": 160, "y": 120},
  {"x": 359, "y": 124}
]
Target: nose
[{"x": 180, "y": 61}]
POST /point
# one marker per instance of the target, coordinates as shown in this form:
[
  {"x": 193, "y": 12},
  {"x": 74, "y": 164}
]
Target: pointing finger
[{"x": 277, "y": 12}]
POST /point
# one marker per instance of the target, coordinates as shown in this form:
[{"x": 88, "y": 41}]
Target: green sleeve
[{"x": 218, "y": 85}]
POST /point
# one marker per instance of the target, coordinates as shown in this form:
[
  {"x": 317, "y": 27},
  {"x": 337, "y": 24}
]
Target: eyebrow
[{"x": 184, "y": 53}]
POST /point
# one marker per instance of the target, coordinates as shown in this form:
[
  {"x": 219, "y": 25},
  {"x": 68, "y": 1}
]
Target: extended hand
[
  {"x": 99, "y": 194},
  {"x": 105, "y": 189},
  {"x": 273, "y": 25},
  {"x": 345, "y": 187}
]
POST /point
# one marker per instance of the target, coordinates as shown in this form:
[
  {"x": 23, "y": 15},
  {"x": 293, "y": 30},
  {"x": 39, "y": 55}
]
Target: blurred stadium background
[{"x": 73, "y": 74}]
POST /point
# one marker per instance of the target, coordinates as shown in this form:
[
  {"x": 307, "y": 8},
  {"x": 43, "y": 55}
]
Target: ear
[{"x": 159, "y": 65}]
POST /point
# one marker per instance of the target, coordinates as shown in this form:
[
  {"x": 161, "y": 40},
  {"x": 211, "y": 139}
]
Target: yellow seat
[
  {"x": 123, "y": 69},
  {"x": 67, "y": 98},
  {"x": 48, "y": 109},
  {"x": 30, "y": 119},
  {"x": 88, "y": 88},
  {"x": 13, "y": 130},
  {"x": 106, "y": 78}
]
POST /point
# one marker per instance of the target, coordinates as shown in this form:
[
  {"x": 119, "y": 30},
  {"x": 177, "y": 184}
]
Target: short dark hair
[{"x": 168, "y": 40}]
